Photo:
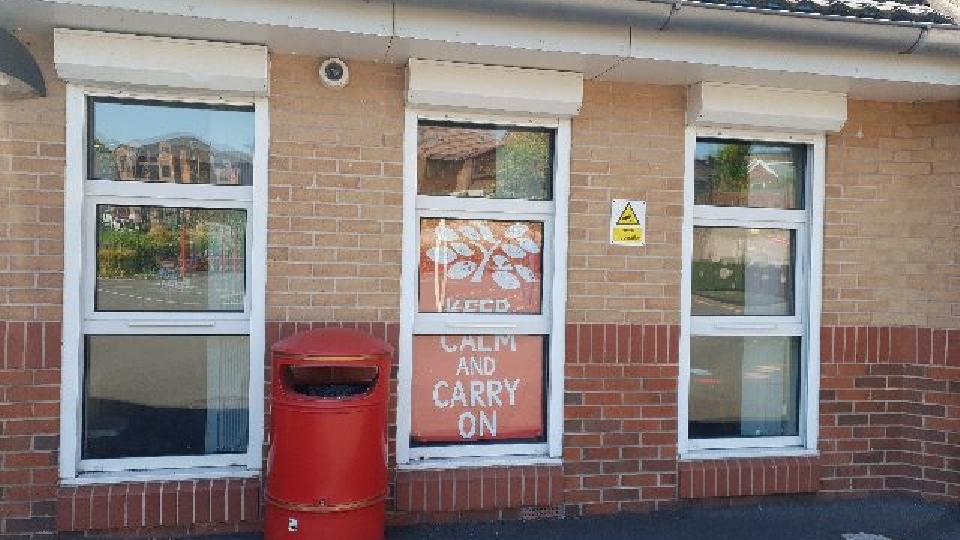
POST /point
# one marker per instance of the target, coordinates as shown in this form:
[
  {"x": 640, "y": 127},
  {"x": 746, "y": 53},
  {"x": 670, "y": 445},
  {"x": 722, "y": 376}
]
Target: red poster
[
  {"x": 480, "y": 266},
  {"x": 473, "y": 388}
]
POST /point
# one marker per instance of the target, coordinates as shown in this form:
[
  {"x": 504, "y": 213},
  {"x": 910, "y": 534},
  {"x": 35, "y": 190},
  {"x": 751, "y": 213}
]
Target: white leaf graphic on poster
[
  {"x": 471, "y": 233},
  {"x": 462, "y": 249},
  {"x": 487, "y": 233},
  {"x": 446, "y": 234},
  {"x": 514, "y": 251},
  {"x": 442, "y": 255},
  {"x": 516, "y": 230},
  {"x": 461, "y": 270},
  {"x": 525, "y": 273},
  {"x": 529, "y": 245},
  {"x": 506, "y": 280},
  {"x": 469, "y": 239}
]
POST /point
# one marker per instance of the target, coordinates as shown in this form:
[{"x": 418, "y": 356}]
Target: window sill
[
  {"x": 696, "y": 455},
  {"x": 204, "y": 473},
  {"x": 477, "y": 462}
]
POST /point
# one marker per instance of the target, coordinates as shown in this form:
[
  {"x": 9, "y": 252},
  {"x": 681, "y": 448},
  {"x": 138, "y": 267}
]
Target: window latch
[
  {"x": 172, "y": 324},
  {"x": 481, "y": 325},
  {"x": 746, "y": 326}
]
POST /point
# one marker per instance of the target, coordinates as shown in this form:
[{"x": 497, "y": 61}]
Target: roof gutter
[
  {"x": 904, "y": 37},
  {"x": 693, "y": 16}
]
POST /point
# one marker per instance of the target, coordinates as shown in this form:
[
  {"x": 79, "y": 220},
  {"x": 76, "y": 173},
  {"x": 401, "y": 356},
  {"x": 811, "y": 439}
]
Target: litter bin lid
[{"x": 333, "y": 342}]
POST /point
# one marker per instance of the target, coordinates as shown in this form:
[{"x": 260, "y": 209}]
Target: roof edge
[{"x": 884, "y": 35}]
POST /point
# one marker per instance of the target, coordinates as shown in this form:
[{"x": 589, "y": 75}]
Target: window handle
[
  {"x": 746, "y": 326},
  {"x": 480, "y": 325},
  {"x": 172, "y": 324}
]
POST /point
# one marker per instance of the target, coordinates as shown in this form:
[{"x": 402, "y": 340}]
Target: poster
[
  {"x": 480, "y": 266},
  {"x": 469, "y": 388}
]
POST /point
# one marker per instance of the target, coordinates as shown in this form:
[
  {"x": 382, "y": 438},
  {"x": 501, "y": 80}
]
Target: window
[
  {"x": 750, "y": 308},
  {"x": 481, "y": 333},
  {"x": 165, "y": 196}
]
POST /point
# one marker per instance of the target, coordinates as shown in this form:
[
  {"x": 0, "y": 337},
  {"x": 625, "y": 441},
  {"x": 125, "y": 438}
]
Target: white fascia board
[
  {"x": 374, "y": 18},
  {"x": 652, "y": 14},
  {"x": 128, "y": 60},
  {"x": 433, "y": 84},
  {"x": 722, "y": 104},
  {"x": 769, "y": 56},
  {"x": 497, "y": 30},
  {"x": 939, "y": 41},
  {"x": 797, "y": 28}
]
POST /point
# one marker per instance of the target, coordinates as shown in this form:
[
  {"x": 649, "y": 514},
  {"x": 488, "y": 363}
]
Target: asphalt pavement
[{"x": 878, "y": 518}]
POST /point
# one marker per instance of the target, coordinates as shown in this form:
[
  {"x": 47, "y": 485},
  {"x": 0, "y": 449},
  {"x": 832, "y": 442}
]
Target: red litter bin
[{"x": 327, "y": 466}]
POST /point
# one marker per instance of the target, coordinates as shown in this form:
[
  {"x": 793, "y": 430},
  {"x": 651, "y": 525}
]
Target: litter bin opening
[{"x": 330, "y": 382}]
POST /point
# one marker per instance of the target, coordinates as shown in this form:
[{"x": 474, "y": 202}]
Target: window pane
[
  {"x": 154, "y": 141},
  {"x": 496, "y": 162},
  {"x": 148, "y": 396},
  {"x": 480, "y": 266},
  {"x": 750, "y": 174},
  {"x": 154, "y": 258},
  {"x": 478, "y": 388},
  {"x": 739, "y": 271},
  {"x": 744, "y": 387}
]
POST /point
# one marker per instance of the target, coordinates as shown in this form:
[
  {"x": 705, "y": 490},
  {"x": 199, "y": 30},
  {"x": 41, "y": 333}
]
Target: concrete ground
[{"x": 878, "y": 518}]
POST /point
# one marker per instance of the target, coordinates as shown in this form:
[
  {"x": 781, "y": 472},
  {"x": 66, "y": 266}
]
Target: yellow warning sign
[
  {"x": 630, "y": 235},
  {"x": 628, "y": 216},
  {"x": 628, "y": 222}
]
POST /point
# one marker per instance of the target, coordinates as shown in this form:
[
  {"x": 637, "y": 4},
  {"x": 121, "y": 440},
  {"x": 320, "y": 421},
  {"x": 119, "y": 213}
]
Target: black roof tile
[{"x": 913, "y": 11}]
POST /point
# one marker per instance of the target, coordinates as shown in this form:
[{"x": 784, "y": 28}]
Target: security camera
[{"x": 334, "y": 73}]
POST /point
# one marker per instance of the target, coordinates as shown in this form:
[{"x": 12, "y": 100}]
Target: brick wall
[
  {"x": 488, "y": 493},
  {"x": 891, "y": 248},
  {"x": 175, "y": 508},
  {"x": 336, "y": 188},
  {"x": 620, "y": 417},
  {"x": 733, "y": 477},
  {"x": 890, "y": 411},
  {"x": 31, "y": 262},
  {"x": 891, "y": 301},
  {"x": 628, "y": 144},
  {"x": 31, "y": 195}
]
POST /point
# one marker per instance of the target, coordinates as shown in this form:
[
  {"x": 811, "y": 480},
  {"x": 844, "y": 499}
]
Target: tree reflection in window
[
  {"x": 749, "y": 174},
  {"x": 154, "y": 258},
  {"x": 484, "y": 161}
]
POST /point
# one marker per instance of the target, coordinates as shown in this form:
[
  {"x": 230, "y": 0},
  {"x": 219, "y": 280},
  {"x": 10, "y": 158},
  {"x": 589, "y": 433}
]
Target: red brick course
[
  {"x": 890, "y": 411},
  {"x": 488, "y": 488},
  {"x": 188, "y": 505},
  {"x": 620, "y": 417},
  {"x": 889, "y": 422},
  {"x": 29, "y": 425},
  {"x": 748, "y": 477}
]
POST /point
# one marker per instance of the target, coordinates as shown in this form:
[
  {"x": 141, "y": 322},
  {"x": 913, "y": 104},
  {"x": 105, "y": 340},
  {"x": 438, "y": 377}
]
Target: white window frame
[
  {"x": 551, "y": 322},
  {"x": 805, "y": 323},
  {"x": 79, "y": 319}
]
